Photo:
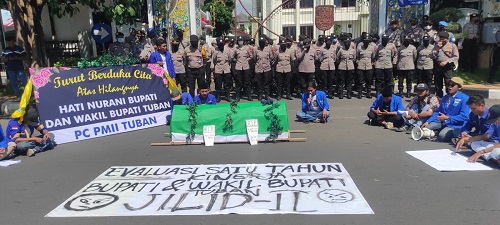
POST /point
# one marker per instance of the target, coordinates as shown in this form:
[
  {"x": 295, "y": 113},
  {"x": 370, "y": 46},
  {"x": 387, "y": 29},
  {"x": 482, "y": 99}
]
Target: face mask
[
  {"x": 426, "y": 43},
  {"x": 202, "y": 42},
  {"x": 283, "y": 47},
  {"x": 262, "y": 46},
  {"x": 406, "y": 43},
  {"x": 334, "y": 41},
  {"x": 366, "y": 43},
  {"x": 328, "y": 44},
  {"x": 427, "y": 27},
  {"x": 347, "y": 44},
  {"x": 194, "y": 44},
  {"x": 221, "y": 46},
  {"x": 321, "y": 42},
  {"x": 240, "y": 42},
  {"x": 175, "y": 48},
  {"x": 288, "y": 45},
  {"x": 121, "y": 40},
  {"x": 385, "y": 42}
]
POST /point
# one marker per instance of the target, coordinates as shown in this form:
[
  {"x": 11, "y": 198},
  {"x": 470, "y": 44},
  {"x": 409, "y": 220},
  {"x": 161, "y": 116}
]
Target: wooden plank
[
  {"x": 297, "y": 131},
  {"x": 201, "y": 143}
]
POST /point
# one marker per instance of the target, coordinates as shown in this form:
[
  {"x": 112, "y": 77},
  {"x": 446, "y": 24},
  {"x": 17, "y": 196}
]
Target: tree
[
  {"x": 27, "y": 17},
  {"x": 222, "y": 15}
]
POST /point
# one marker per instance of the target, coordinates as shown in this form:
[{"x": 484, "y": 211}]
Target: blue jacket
[
  {"x": 494, "y": 131},
  {"x": 186, "y": 99},
  {"x": 395, "y": 105},
  {"x": 17, "y": 130},
  {"x": 478, "y": 122},
  {"x": 3, "y": 139},
  {"x": 156, "y": 57},
  {"x": 320, "y": 98},
  {"x": 457, "y": 110},
  {"x": 211, "y": 100}
]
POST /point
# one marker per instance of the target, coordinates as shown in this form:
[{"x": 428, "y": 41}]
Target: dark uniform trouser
[
  {"x": 397, "y": 120},
  {"x": 443, "y": 73},
  {"x": 330, "y": 80},
  {"x": 364, "y": 77},
  {"x": 321, "y": 81},
  {"x": 262, "y": 80},
  {"x": 283, "y": 83},
  {"x": 195, "y": 75},
  {"x": 405, "y": 74},
  {"x": 345, "y": 79},
  {"x": 182, "y": 80},
  {"x": 494, "y": 65},
  {"x": 208, "y": 74},
  {"x": 233, "y": 76},
  {"x": 384, "y": 77},
  {"x": 243, "y": 80},
  {"x": 425, "y": 76},
  {"x": 305, "y": 78},
  {"x": 294, "y": 78},
  {"x": 470, "y": 54},
  {"x": 223, "y": 79}
]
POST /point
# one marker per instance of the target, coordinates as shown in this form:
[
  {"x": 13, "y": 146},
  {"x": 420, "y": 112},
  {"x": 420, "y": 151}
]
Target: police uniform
[
  {"x": 327, "y": 58},
  {"x": 221, "y": 66},
  {"x": 195, "y": 65},
  {"x": 407, "y": 55},
  {"x": 263, "y": 56},
  {"x": 242, "y": 54},
  {"x": 345, "y": 58},
  {"x": 365, "y": 58},
  {"x": 385, "y": 59},
  {"x": 470, "y": 43},
  {"x": 306, "y": 68},
  {"x": 320, "y": 44},
  {"x": 425, "y": 62},
  {"x": 179, "y": 58},
  {"x": 447, "y": 53},
  {"x": 284, "y": 60}
]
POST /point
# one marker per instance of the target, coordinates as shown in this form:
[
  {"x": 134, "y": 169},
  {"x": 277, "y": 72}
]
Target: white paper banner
[
  {"x": 299, "y": 188},
  {"x": 253, "y": 131},
  {"x": 446, "y": 160},
  {"x": 209, "y": 135}
]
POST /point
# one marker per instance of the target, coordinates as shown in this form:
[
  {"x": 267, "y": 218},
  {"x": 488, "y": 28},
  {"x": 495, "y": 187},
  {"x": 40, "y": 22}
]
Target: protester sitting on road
[
  {"x": 384, "y": 110},
  {"x": 204, "y": 97},
  {"x": 419, "y": 109},
  {"x": 486, "y": 145},
  {"x": 477, "y": 119},
  {"x": 452, "y": 113},
  {"x": 6, "y": 148},
  {"x": 21, "y": 132},
  {"x": 315, "y": 106}
]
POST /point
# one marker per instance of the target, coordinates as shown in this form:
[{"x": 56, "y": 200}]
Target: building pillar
[
  {"x": 382, "y": 17},
  {"x": 297, "y": 21}
]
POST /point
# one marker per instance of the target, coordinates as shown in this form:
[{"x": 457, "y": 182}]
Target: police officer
[
  {"x": 407, "y": 54},
  {"x": 385, "y": 59},
  {"x": 195, "y": 65},
  {"x": 284, "y": 60},
  {"x": 305, "y": 60},
  {"x": 394, "y": 33},
  {"x": 471, "y": 41},
  {"x": 327, "y": 57},
  {"x": 221, "y": 66},
  {"x": 230, "y": 45},
  {"x": 184, "y": 44},
  {"x": 447, "y": 56},
  {"x": 263, "y": 55},
  {"x": 425, "y": 63},
  {"x": 429, "y": 31},
  {"x": 317, "y": 72},
  {"x": 180, "y": 61},
  {"x": 415, "y": 32},
  {"x": 496, "y": 59},
  {"x": 345, "y": 57},
  {"x": 443, "y": 26},
  {"x": 365, "y": 58},
  {"x": 242, "y": 54},
  {"x": 292, "y": 48},
  {"x": 119, "y": 48}
]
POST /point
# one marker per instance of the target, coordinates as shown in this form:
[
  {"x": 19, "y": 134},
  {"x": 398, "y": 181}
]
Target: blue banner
[
  {"x": 404, "y": 3},
  {"x": 78, "y": 104}
]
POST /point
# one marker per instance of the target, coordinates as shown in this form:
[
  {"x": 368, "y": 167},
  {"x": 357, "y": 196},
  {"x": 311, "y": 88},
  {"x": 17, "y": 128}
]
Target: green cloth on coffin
[{"x": 216, "y": 115}]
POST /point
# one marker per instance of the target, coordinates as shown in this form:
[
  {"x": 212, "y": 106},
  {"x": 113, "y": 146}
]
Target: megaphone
[{"x": 418, "y": 133}]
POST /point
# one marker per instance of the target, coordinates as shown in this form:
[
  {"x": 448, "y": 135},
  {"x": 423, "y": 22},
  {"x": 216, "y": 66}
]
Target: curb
[{"x": 486, "y": 93}]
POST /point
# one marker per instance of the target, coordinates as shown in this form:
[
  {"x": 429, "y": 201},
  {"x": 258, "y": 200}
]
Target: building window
[
  {"x": 345, "y": 3},
  {"x": 289, "y": 5},
  {"x": 306, "y": 30},
  {"x": 306, "y": 3},
  {"x": 289, "y": 31}
]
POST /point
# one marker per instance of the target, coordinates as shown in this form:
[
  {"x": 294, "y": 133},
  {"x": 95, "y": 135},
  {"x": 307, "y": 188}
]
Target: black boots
[
  {"x": 340, "y": 91},
  {"x": 369, "y": 93},
  {"x": 400, "y": 93},
  {"x": 360, "y": 93},
  {"x": 349, "y": 93}
]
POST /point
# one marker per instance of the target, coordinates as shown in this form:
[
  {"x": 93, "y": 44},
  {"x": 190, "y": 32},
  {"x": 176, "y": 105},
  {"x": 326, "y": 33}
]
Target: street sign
[
  {"x": 101, "y": 33},
  {"x": 404, "y": 3}
]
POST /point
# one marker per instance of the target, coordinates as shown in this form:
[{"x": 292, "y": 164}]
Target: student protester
[
  {"x": 178, "y": 98},
  {"x": 204, "y": 97},
  {"x": 163, "y": 58},
  {"x": 315, "y": 106},
  {"x": 477, "y": 119},
  {"x": 419, "y": 109},
  {"x": 452, "y": 113},
  {"x": 385, "y": 109},
  {"x": 6, "y": 148},
  {"x": 486, "y": 145}
]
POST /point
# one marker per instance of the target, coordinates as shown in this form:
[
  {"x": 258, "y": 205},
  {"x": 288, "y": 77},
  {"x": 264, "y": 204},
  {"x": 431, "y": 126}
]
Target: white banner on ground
[
  {"x": 446, "y": 160},
  {"x": 298, "y": 188}
]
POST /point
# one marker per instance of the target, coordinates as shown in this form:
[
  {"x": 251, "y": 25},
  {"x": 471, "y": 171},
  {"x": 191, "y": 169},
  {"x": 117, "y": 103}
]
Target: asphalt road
[{"x": 399, "y": 188}]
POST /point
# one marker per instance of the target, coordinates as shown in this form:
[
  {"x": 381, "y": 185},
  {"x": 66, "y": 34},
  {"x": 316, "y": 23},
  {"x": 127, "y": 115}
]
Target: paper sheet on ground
[
  {"x": 444, "y": 160},
  {"x": 5, "y": 163}
]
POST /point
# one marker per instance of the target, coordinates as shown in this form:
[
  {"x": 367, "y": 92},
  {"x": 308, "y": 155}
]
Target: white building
[{"x": 297, "y": 17}]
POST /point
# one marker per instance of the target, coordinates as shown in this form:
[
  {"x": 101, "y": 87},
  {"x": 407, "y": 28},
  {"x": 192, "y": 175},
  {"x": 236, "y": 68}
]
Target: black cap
[
  {"x": 307, "y": 42},
  {"x": 290, "y": 38},
  {"x": 422, "y": 87},
  {"x": 366, "y": 37},
  {"x": 473, "y": 15},
  {"x": 494, "y": 114},
  {"x": 282, "y": 41},
  {"x": 334, "y": 36},
  {"x": 31, "y": 117},
  {"x": 321, "y": 37},
  {"x": 203, "y": 85},
  {"x": 240, "y": 38},
  {"x": 328, "y": 38},
  {"x": 443, "y": 34},
  {"x": 426, "y": 38},
  {"x": 385, "y": 36},
  {"x": 194, "y": 38},
  {"x": 407, "y": 37},
  {"x": 251, "y": 41},
  {"x": 302, "y": 37}
]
